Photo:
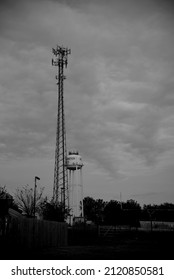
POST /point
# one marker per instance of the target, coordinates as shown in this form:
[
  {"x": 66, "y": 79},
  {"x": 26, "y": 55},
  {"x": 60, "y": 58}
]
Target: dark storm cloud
[{"x": 119, "y": 78}]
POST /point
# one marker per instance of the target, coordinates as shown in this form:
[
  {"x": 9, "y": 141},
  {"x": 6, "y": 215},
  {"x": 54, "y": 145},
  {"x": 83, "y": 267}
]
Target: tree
[
  {"x": 127, "y": 213},
  {"x": 6, "y": 201},
  {"x": 162, "y": 212},
  {"x": 131, "y": 212},
  {"x": 94, "y": 209},
  {"x": 3, "y": 192},
  {"x": 89, "y": 208},
  {"x": 24, "y": 198},
  {"x": 99, "y": 211},
  {"x": 131, "y": 204},
  {"x": 112, "y": 213},
  {"x": 52, "y": 212}
]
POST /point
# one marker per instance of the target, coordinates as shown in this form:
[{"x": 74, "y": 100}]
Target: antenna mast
[{"x": 60, "y": 187}]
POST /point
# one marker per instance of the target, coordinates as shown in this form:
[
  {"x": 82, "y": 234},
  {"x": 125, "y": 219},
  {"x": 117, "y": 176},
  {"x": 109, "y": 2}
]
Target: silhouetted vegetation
[
  {"x": 52, "y": 212},
  {"x": 94, "y": 209},
  {"x": 6, "y": 201},
  {"x": 98, "y": 211},
  {"x": 112, "y": 213},
  {"x": 24, "y": 199},
  {"x": 129, "y": 212},
  {"x": 162, "y": 212}
]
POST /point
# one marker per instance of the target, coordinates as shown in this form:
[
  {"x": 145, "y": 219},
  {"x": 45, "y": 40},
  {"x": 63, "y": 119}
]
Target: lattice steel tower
[{"x": 60, "y": 188}]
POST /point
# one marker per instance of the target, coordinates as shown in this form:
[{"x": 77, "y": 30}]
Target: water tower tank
[{"x": 74, "y": 160}]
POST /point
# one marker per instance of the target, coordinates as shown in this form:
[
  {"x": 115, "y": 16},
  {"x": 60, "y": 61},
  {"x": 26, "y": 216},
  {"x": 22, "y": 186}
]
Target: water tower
[{"x": 74, "y": 166}]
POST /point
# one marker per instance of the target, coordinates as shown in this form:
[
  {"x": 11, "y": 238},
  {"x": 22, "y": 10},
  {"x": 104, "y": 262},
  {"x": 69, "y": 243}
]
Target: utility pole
[
  {"x": 121, "y": 201},
  {"x": 60, "y": 187},
  {"x": 35, "y": 186}
]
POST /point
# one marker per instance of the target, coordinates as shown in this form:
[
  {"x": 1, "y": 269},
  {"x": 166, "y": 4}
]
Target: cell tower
[
  {"x": 74, "y": 166},
  {"x": 60, "y": 188}
]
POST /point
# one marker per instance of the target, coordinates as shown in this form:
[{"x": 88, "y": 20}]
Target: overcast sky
[{"x": 119, "y": 94}]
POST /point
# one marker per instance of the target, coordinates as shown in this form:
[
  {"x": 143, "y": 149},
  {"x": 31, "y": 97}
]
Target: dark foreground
[{"x": 133, "y": 246}]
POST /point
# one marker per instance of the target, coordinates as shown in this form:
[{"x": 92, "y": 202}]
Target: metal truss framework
[{"x": 60, "y": 187}]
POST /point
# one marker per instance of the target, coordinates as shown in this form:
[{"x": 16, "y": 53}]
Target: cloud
[{"x": 119, "y": 87}]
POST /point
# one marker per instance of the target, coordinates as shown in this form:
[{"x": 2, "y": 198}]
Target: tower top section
[
  {"x": 74, "y": 160},
  {"x": 61, "y": 56}
]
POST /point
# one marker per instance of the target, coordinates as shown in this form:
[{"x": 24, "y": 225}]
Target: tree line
[
  {"x": 130, "y": 212},
  {"x": 97, "y": 211}
]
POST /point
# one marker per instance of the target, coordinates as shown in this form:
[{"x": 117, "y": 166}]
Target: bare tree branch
[{"x": 24, "y": 198}]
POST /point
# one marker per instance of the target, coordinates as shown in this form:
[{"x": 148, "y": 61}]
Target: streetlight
[{"x": 35, "y": 186}]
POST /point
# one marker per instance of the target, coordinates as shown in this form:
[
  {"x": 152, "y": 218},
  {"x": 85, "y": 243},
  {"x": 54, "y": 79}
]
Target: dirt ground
[
  {"x": 136, "y": 246},
  {"x": 122, "y": 249}
]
